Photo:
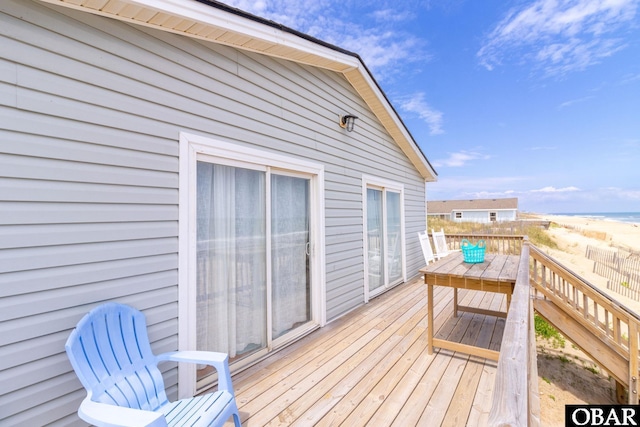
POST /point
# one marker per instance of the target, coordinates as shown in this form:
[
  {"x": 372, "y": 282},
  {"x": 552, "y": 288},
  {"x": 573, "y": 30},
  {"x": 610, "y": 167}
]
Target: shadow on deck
[{"x": 371, "y": 367}]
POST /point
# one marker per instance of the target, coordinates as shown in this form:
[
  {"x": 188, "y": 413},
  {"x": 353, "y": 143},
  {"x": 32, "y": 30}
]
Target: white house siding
[
  {"x": 90, "y": 115},
  {"x": 471, "y": 216},
  {"x": 484, "y": 216},
  {"x": 506, "y": 215}
]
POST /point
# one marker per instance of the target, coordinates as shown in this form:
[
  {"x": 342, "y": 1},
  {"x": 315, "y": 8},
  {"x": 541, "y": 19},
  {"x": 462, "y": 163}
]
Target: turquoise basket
[{"x": 473, "y": 254}]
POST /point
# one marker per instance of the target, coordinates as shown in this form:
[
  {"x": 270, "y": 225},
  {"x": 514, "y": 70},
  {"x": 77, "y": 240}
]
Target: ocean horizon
[{"x": 627, "y": 217}]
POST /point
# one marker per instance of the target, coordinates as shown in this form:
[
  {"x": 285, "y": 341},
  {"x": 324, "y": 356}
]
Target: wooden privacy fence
[{"x": 621, "y": 269}]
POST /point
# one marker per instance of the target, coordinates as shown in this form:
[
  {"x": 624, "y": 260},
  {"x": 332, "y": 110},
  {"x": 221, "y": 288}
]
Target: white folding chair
[
  {"x": 440, "y": 243},
  {"x": 427, "y": 251}
]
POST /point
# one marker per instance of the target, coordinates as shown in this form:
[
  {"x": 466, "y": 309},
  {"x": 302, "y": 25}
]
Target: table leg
[
  {"x": 455, "y": 302},
  {"x": 509, "y": 297},
  {"x": 430, "y": 319}
]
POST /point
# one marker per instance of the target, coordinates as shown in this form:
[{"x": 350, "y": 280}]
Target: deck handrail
[
  {"x": 610, "y": 332},
  {"x": 595, "y": 313},
  {"x": 496, "y": 243},
  {"x": 515, "y": 395}
]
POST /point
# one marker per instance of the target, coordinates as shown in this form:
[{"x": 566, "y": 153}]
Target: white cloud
[
  {"x": 416, "y": 104},
  {"x": 380, "y": 40},
  {"x": 459, "y": 159},
  {"x": 543, "y": 148},
  {"x": 381, "y": 51},
  {"x": 559, "y": 36},
  {"x": 623, "y": 194},
  {"x": 390, "y": 15},
  {"x": 551, "y": 189},
  {"x": 297, "y": 14},
  {"x": 573, "y": 102}
]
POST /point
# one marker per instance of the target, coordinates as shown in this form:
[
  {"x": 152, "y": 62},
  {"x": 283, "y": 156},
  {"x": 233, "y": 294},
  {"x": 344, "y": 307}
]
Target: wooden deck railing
[
  {"x": 496, "y": 243},
  {"x": 600, "y": 326},
  {"x": 515, "y": 394},
  {"x": 605, "y": 330}
]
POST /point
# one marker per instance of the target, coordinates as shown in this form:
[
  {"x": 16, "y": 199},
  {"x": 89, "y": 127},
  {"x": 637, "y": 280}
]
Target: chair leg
[
  {"x": 236, "y": 419},
  {"x": 236, "y": 414}
]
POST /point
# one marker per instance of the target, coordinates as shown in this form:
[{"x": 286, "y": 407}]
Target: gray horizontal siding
[{"x": 90, "y": 113}]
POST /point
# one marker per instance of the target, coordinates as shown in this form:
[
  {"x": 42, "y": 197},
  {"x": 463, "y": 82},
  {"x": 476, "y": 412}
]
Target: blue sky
[{"x": 536, "y": 99}]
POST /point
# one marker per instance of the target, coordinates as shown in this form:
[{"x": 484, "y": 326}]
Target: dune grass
[{"x": 537, "y": 235}]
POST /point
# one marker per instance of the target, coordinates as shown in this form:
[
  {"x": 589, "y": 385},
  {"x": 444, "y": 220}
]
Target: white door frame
[
  {"x": 384, "y": 184},
  {"x": 191, "y": 147}
]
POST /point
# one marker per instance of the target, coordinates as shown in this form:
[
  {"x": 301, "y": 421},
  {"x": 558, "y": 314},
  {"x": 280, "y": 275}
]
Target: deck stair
[{"x": 602, "y": 328}]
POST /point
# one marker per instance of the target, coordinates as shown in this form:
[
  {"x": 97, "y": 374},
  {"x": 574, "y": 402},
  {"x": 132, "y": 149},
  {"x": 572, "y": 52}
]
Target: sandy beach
[
  {"x": 567, "y": 376},
  {"x": 573, "y": 235}
]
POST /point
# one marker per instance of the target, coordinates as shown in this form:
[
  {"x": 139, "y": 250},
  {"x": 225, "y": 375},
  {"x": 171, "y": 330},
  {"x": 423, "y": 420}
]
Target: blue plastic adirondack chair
[{"x": 110, "y": 352}]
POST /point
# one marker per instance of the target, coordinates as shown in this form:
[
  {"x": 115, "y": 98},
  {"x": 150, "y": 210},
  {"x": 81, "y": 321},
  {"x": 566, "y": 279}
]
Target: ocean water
[{"x": 630, "y": 217}]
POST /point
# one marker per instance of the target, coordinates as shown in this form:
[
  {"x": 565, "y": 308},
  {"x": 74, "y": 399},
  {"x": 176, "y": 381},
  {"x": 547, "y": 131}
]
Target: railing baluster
[{"x": 606, "y": 318}]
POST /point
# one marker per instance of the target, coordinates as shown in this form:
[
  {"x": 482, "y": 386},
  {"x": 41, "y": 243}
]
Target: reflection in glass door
[
  {"x": 231, "y": 288},
  {"x": 290, "y": 244},
  {"x": 253, "y": 283},
  {"x": 375, "y": 236},
  {"x": 384, "y": 239},
  {"x": 394, "y": 238}
]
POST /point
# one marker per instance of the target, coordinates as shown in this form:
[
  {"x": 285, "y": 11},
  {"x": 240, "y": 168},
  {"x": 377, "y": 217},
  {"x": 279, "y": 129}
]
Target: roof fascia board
[
  {"x": 201, "y": 12},
  {"x": 227, "y": 21}
]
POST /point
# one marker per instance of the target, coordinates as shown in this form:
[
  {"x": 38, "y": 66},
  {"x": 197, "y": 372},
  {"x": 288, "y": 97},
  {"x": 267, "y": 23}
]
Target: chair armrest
[
  {"x": 105, "y": 415},
  {"x": 220, "y": 361}
]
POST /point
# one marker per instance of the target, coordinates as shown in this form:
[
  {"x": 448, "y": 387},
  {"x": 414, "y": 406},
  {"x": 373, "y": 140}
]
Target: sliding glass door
[
  {"x": 290, "y": 245},
  {"x": 384, "y": 238},
  {"x": 375, "y": 240},
  {"x": 253, "y": 258}
]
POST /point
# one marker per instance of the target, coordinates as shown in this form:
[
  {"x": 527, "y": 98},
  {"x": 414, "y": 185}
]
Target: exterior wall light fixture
[{"x": 347, "y": 122}]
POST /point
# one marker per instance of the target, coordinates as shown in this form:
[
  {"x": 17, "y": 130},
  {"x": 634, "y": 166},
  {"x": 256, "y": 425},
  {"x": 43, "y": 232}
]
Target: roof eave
[{"x": 215, "y": 22}]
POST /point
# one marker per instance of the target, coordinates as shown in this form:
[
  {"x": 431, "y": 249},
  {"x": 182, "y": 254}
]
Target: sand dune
[
  {"x": 567, "y": 376},
  {"x": 574, "y": 234}
]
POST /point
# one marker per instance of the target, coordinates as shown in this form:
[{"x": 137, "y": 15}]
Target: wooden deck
[{"x": 371, "y": 367}]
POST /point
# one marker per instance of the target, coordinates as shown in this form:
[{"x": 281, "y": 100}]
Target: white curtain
[
  {"x": 394, "y": 244},
  {"x": 374, "y": 238},
  {"x": 231, "y": 259},
  {"x": 289, "y": 253}
]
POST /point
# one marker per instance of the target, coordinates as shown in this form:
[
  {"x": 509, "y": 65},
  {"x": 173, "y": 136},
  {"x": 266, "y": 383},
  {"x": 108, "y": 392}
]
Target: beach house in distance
[
  {"x": 475, "y": 210},
  {"x": 167, "y": 155}
]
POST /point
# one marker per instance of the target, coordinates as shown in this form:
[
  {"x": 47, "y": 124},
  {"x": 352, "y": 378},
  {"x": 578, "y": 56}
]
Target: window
[
  {"x": 384, "y": 235},
  {"x": 492, "y": 216},
  {"x": 458, "y": 215},
  {"x": 251, "y": 252}
]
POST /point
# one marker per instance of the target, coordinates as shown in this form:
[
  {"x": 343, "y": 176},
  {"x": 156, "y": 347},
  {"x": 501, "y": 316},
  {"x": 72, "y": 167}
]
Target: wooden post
[
  {"x": 455, "y": 302},
  {"x": 633, "y": 362},
  {"x": 430, "y": 328}
]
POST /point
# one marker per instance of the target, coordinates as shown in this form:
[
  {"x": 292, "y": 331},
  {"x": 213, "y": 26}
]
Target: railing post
[{"x": 633, "y": 363}]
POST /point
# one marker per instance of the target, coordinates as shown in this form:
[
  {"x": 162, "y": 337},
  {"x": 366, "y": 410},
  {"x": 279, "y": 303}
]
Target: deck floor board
[{"x": 371, "y": 367}]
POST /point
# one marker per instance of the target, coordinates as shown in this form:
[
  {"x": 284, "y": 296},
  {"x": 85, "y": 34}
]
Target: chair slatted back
[
  {"x": 440, "y": 243},
  {"x": 427, "y": 251},
  {"x": 110, "y": 352}
]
